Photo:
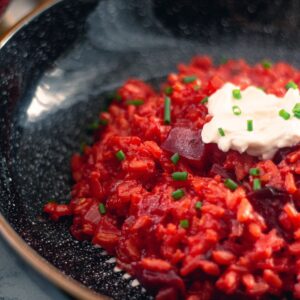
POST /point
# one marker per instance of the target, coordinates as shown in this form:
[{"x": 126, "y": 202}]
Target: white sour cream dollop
[{"x": 270, "y": 131}]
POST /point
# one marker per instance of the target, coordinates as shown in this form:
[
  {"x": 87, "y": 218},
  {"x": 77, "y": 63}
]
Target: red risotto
[{"x": 186, "y": 219}]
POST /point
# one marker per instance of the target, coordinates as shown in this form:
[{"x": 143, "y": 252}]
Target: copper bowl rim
[{"x": 54, "y": 275}]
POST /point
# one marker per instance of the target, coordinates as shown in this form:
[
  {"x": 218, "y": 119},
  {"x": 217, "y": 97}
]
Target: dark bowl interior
[{"x": 56, "y": 73}]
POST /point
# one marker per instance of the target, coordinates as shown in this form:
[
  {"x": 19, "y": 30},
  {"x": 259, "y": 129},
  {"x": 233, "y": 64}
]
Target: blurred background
[{"x": 15, "y": 11}]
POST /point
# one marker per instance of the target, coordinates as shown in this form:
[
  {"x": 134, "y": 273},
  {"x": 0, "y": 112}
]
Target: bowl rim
[{"x": 28, "y": 254}]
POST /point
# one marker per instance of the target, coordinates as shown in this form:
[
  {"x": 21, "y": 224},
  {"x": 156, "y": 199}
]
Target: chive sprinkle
[
  {"x": 223, "y": 60},
  {"x": 198, "y": 205},
  {"x": 175, "y": 158},
  {"x": 230, "y": 184},
  {"x": 256, "y": 184},
  {"x": 93, "y": 126},
  {"x": 135, "y": 102},
  {"x": 254, "y": 171},
  {"x": 296, "y": 110},
  {"x": 180, "y": 176},
  {"x": 236, "y": 94},
  {"x": 284, "y": 114},
  {"x": 168, "y": 90},
  {"x": 118, "y": 97},
  {"x": 102, "y": 209},
  {"x": 167, "y": 112},
  {"x": 291, "y": 85},
  {"x": 236, "y": 110},
  {"x": 82, "y": 146},
  {"x": 178, "y": 194},
  {"x": 249, "y": 125},
  {"x": 204, "y": 100},
  {"x": 196, "y": 87},
  {"x": 120, "y": 155},
  {"x": 266, "y": 64},
  {"x": 221, "y": 131},
  {"x": 189, "y": 79},
  {"x": 184, "y": 223}
]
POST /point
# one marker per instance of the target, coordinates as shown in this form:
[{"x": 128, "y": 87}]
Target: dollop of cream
[{"x": 270, "y": 131}]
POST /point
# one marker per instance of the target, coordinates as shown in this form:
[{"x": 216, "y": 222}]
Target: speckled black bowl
[{"x": 55, "y": 74}]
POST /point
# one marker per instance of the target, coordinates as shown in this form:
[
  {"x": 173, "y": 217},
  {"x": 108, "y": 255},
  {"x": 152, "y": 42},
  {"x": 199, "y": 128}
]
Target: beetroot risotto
[{"x": 188, "y": 220}]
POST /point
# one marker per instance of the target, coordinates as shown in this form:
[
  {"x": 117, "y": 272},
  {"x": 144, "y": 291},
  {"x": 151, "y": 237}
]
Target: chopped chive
[
  {"x": 249, "y": 125},
  {"x": 184, "y": 223},
  {"x": 114, "y": 96},
  {"x": 223, "y": 60},
  {"x": 94, "y": 125},
  {"x": 180, "y": 176},
  {"x": 82, "y": 146},
  {"x": 118, "y": 97},
  {"x": 221, "y": 131},
  {"x": 266, "y": 64},
  {"x": 167, "y": 112},
  {"x": 296, "y": 110},
  {"x": 236, "y": 94},
  {"x": 102, "y": 209},
  {"x": 230, "y": 184},
  {"x": 168, "y": 90},
  {"x": 291, "y": 85},
  {"x": 256, "y": 184},
  {"x": 254, "y": 171},
  {"x": 204, "y": 100},
  {"x": 135, "y": 102},
  {"x": 120, "y": 155},
  {"x": 178, "y": 194},
  {"x": 197, "y": 87},
  {"x": 284, "y": 114},
  {"x": 189, "y": 79},
  {"x": 103, "y": 122},
  {"x": 261, "y": 88},
  {"x": 236, "y": 110},
  {"x": 175, "y": 158},
  {"x": 198, "y": 205}
]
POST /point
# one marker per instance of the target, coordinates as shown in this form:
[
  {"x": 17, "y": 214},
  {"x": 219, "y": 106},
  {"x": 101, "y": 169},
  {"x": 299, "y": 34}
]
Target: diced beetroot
[
  {"x": 269, "y": 203},
  {"x": 188, "y": 144},
  {"x": 92, "y": 215}
]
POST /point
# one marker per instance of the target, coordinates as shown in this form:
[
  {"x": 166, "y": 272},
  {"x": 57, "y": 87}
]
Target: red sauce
[{"x": 213, "y": 242}]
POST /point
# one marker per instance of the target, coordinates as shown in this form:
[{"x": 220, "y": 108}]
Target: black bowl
[{"x": 55, "y": 74}]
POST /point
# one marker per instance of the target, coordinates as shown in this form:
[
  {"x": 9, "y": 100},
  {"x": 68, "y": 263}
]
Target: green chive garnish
[
  {"x": 236, "y": 94},
  {"x": 82, "y": 146},
  {"x": 254, "y": 171},
  {"x": 261, "y": 88},
  {"x": 256, "y": 184},
  {"x": 102, "y": 209},
  {"x": 189, "y": 79},
  {"x": 197, "y": 87},
  {"x": 94, "y": 125},
  {"x": 180, "y": 176},
  {"x": 167, "y": 112},
  {"x": 230, "y": 184},
  {"x": 284, "y": 114},
  {"x": 135, "y": 102},
  {"x": 178, "y": 194},
  {"x": 291, "y": 85},
  {"x": 185, "y": 223},
  {"x": 296, "y": 110},
  {"x": 118, "y": 97},
  {"x": 266, "y": 64},
  {"x": 249, "y": 125},
  {"x": 236, "y": 110},
  {"x": 204, "y": 100},
  {"x": 221, "y": 131},
  {"x": 175, "y": 158},
  {"x": 223, "y": 60},
  {"x": 168, "y": 90},
  {"x": 198, "y": 205},
  {"x": 120, "y": 155}
]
